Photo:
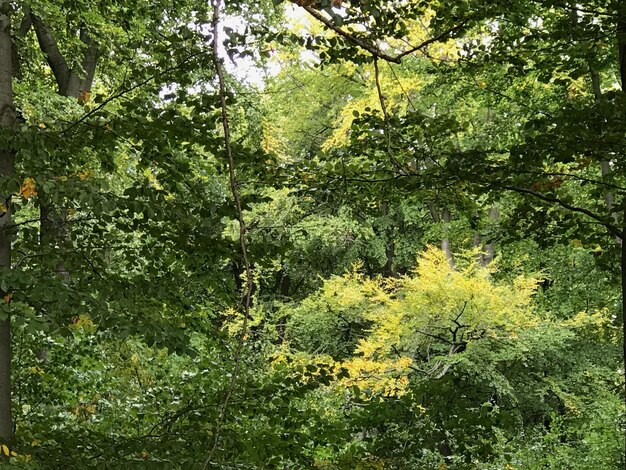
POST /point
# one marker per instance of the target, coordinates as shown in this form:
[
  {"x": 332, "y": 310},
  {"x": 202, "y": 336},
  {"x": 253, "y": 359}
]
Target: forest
[{"x": 293, "y": 234}]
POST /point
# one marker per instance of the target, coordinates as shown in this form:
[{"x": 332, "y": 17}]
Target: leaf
[
  {"x": 5, "y": 450},
  {"x": 29, "y": 188}
]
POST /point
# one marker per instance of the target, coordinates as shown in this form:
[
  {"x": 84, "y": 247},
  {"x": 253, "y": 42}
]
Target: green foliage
[{"x": 502, "y": 136}]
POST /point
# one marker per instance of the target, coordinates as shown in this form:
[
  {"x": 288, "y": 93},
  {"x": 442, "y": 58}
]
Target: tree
[{"x": 7, "y": 165}]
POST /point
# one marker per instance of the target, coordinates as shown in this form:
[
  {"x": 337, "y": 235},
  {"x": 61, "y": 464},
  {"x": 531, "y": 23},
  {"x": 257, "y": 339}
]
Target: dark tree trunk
[
  {"x": 71, "y": 83},
  {"x": 621, "y": 41},
  {"x": 7, "y": 162}
]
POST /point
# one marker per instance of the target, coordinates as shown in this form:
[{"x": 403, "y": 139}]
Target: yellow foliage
[
  {"x": 433, "y": 305},
  {"x": 29, "y": 188},
  {"x": 83, "y": 322},
  {"x": 395, "y": 88}
]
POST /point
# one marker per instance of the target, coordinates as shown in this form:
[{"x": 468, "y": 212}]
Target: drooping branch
[
  {"x": 123, "y": 91},
  {"x": 581, "y": 210},
  {"x": 444, "y": 35},
  {"x": 372, "y": 49}
]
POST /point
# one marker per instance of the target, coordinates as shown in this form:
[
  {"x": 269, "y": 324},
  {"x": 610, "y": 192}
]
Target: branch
[
  {"x": 25, "y": 25},
  {"x": 123, "y": 92},
  {"x": 372, "y": 49},
  {"x": 375, "y": 51},
  {"x": 234, "y": 188},
  {"x": 49, "y": 47},
  {"x": 581, "y": 210},
  {"x": 437, "y": 38}
]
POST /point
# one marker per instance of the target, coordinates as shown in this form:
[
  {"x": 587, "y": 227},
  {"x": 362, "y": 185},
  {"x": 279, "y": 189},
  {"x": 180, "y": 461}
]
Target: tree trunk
[
  {"x": 623, "y": 272},
  {"x": 7, "y": 162},
  {"x": 490, "y": 251},
  {"x": 445, "y": 241},
  {"x": 621, "y": 41},
  {"x": 71, "y": 83},
  {"x": 477, "y": 243},
  {"x": 445, "y": 218}
]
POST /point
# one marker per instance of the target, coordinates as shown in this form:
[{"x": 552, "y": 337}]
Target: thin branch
[
  {"x": 611, "y": 228},
  {"x": 437, "y": 38},
  {"x": 375, "y": 51},
  {"x": 123, "y": 92},
  {"x": 395, "y": 76},
  {"x": 242, "y": 230},
  {"x": 569, "y": 175}
]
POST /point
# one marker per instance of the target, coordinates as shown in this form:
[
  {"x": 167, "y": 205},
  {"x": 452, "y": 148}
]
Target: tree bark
[
  {"x": 623, "y": 273},
  {"x": 621, "y": 41},
  {"x": 477, "y": 243},
  {"x": 490, "y": 250},
  {"x": 7, "y": 164},
  {"x": 445, "y": 241},
  {"x": 71, "y": 83},
  {"x": 444, "y": 217}
]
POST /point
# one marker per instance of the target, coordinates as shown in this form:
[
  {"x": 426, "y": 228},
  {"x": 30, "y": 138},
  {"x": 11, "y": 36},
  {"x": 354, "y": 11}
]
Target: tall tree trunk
[
  {"x": 621, "y": 41},
  {"x": 605, "y": 165},
  {"x": 71, "y": 83},
  {"x": 390, "y": 246},
  {"x": 7, "y": 163},
  {"x": 623, "y": 318},
  {"x": 477, "y": 243}
]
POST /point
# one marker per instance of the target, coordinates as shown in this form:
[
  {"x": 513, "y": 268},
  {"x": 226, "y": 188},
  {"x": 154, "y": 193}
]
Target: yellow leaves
[
  {"x": 84, "y": 97},
  {"x": 395, "y": 87},
  {"x": 7, "y": 452},
  {"x": 36, "y": 370},
  {"x": 83, "y": 322},
  {"x": 84, "y": 410},
  {"x": 428, "y": 321},
  {"x": 272, "y": 142},
  {"x": 388, "y": 377},
  {"x": 29, "y": 188},
  {"x": 84, "y": 175}
]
